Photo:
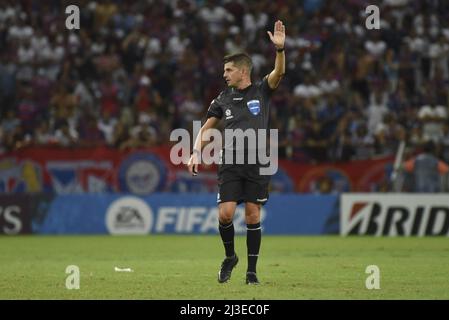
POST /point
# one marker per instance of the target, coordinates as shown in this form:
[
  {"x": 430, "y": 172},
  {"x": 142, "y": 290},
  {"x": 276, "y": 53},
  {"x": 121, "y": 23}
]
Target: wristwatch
[{"x": 280, "y": 49}]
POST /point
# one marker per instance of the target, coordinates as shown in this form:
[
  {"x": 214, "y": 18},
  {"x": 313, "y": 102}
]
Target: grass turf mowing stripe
[{"x": 185, "y": 267}]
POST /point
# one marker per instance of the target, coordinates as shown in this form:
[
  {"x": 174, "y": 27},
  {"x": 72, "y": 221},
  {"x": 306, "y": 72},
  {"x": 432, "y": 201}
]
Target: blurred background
[{"x": 91, "y": 110}]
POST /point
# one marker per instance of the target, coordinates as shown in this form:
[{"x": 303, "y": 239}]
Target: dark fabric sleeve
[
  {"x": 214, "y": 110},
  {"x": 265, "y": 87}
]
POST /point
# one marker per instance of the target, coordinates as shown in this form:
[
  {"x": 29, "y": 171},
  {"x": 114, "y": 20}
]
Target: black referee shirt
[{"x": 243, "y": 109}]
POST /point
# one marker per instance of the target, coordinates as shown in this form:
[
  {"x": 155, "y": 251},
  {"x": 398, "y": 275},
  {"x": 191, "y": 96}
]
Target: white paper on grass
[{"x": 123, "y": 269}]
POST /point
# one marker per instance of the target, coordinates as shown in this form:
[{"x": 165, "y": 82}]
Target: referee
[{"x": 243, "y": 105}]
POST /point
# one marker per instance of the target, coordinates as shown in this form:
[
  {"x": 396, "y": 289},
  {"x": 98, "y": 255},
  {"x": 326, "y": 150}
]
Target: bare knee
[
  {"x": 226, "y": 212},
  {"x": 252, "y": 213}
]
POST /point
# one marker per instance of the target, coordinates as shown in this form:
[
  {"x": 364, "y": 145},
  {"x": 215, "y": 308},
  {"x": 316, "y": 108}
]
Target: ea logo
[{"x": 129, "y": 215}]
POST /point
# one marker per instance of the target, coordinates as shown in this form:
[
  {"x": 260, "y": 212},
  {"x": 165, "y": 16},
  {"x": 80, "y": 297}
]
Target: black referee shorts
[{"x": 242, "y": 183}]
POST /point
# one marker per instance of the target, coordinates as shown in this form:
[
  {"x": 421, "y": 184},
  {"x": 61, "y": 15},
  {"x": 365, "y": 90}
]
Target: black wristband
[{"x": 280, "y": 50}]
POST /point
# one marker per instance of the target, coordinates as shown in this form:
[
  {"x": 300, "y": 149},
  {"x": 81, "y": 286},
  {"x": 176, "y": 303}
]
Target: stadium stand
[{"x": 137, "y": 70}]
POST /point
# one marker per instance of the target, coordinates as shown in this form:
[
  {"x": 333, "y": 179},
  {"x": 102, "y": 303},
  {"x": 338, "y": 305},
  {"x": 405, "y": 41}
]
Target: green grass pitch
[{"x": 185, "y": 267}]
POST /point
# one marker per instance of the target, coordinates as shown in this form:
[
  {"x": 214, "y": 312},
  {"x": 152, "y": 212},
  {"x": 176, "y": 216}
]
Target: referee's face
[{"x": 232, "y": 75}]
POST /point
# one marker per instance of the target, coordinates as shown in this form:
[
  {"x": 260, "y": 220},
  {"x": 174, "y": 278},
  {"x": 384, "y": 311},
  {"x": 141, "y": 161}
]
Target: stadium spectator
[
  {"x": 426, "y": 170},
  {"x": 63, "y": 104},
  {"x": 89, "y": 134},
  {"x": 316, "y": 142},
  {"x": 17, "y": 139},
  {"x": 66, "y": 136},
  {"x": 10, "y": 122},
  {"x": 432, "y": 118},
  {"x": 363, "y": 143},
  {"x": 120, "y": 136},
  {"x": 215, "y": 16},
  {"x": 43, "y": 135},
  {"x": 445, "y": 142},
  {"x": 106, "y": 125},
  {"x": 376, "y": 111},
  {"x": 417, "y": 139}
]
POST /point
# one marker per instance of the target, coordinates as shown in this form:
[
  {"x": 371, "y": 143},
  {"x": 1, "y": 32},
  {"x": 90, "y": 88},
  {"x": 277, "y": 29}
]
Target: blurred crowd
[{"x": 135, "y": 70}]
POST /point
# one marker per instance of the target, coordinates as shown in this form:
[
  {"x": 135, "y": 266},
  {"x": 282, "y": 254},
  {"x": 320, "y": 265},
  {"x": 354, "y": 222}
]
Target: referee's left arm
[{"x": 278, "y": 38}]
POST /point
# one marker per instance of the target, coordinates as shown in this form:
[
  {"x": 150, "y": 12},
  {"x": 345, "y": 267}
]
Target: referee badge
[{"x": 254, "y": 106}]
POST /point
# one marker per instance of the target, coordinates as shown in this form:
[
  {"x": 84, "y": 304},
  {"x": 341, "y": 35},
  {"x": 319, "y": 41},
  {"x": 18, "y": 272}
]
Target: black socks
[
  {"x": 253, "y": 239},
  {"x": 227, "y": 235}
]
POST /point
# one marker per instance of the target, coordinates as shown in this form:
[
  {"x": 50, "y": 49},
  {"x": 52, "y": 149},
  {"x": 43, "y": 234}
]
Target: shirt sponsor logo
[{"x": 228, "y": 114}]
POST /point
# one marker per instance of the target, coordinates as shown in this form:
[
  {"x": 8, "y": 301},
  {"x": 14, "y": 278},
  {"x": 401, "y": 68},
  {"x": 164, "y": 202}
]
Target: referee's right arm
[{"x": 197, "y": 147}]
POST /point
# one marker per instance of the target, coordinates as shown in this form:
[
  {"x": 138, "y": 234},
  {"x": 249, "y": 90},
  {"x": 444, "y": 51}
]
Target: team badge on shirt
[{"x": 254, "y": 106}]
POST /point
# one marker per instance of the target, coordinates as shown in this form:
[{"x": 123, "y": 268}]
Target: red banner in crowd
[
  {"x": 98, "y": 170},
  {"x": 356, "y": 176}
]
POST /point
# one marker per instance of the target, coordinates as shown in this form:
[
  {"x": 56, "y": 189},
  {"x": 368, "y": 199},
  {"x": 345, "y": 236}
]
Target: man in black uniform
[{"x": 243, "y": 105}]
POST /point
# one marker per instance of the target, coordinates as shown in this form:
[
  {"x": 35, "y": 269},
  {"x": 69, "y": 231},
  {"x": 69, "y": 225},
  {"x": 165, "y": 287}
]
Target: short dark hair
[{"x": 239, "y": 59}]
